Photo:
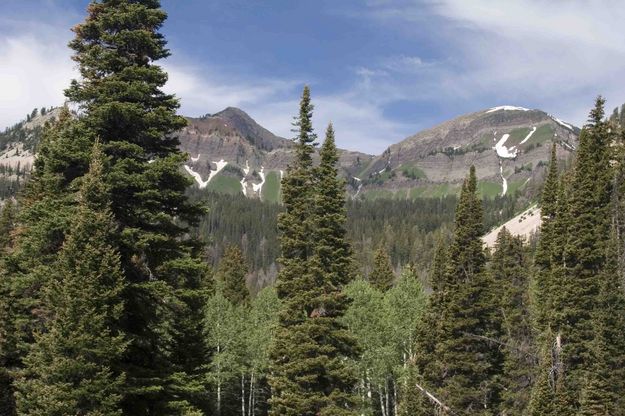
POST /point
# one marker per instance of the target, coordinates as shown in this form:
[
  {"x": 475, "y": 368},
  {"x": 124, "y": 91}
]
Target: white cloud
[
  {"x": 34, "y": 71},
  {"x": 556, "y": 55}
]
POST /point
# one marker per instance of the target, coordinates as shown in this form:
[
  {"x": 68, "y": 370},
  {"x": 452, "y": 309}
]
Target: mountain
[
  {"x": 231, "y": 153},
  {"x": 508, "y": 146}
]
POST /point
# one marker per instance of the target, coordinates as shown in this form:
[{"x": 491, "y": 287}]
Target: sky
[{"x": 379, "y": 70}]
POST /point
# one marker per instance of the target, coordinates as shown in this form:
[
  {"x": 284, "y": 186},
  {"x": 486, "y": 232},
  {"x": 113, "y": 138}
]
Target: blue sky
[{"x": 379, "y": 69}]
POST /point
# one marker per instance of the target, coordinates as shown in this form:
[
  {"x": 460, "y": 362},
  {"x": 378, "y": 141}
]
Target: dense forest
[{"x": 123, "y": 292}]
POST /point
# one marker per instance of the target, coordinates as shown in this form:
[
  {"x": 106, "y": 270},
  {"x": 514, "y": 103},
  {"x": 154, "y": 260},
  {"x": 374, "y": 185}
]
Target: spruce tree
[
  {"x": 46, "y": 207},
  {"x": 586, "y": 246},
  {"x": 509, "y": 270},
  {"x": 382, "y": 276},
  {"x": 231, "y": 273},
  {"x": 469, "y": 362},
  {"x": 73, "y": 366},
  {"x": 309, "y": 374},
  {"x": 545, "y": 256},
  {"x": 123, "y": 105}
]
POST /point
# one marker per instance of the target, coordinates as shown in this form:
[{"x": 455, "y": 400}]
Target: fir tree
[
  {"x": 231, "y": 273},
  {"x": 545, "y": 255},
  {"x": 72, "y": 367},
  {"x": 509, "y": 270},
  {"x": 123, "y": 105},
  {"x": 46, "y": 207},
  {"x": 585, "y": 250},
  {"x": 309, "y": 375},
  {"x": 382, "y": 276},
  {"x": 469, "y": 363}
]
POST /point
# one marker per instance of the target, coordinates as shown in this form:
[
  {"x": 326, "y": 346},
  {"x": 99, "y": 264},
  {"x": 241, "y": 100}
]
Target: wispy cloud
[
  {"x": 35, "y": 69},
  {"x": 557, "y": 55}
]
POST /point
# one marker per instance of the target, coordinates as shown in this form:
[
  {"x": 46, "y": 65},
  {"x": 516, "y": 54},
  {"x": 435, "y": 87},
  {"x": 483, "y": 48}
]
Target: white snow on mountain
[
  {"x": 198, "y": 178},
  {"x": 507, "y": 108}
]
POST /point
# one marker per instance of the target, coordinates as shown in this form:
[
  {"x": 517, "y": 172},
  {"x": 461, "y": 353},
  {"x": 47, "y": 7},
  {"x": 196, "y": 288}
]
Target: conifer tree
[
  {"x": 123, "y": 105},
  {"x": 309, "y": 374},
  {"x": 545, "y": 255},
  {"x": 586, "y": 245},
  {"x": 231, "y": 273},
  {"x": 382, "y": 276},
  {"x": 73, "y": 366},
  {"x": 469, "y": 363},
  {"x": 7, "y": 224},
  {"x": 509, "y": 270},
  {"x": 46, "y": 207}
]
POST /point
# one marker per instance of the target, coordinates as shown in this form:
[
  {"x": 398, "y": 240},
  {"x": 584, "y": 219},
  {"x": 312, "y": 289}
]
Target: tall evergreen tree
[
  {"x": 470, "y": 365},
  {"x": 382, "y": 276},
  {"x": 46, "y": 206},
  {"x": 586, "y": 245},
  {"x": 123, "y": 106},
  {"x": 509, "y": 270},
  {"x": 309, "y": 373},
  {"x": 73, "y": 366},
  {"x": 231, "y": 273},
  {"x": 545, "y": 255}
]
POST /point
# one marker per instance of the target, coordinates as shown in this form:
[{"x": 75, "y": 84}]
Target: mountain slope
[
  {"x": 508, "y": 146},
  {"x": 229, "y": 152}
]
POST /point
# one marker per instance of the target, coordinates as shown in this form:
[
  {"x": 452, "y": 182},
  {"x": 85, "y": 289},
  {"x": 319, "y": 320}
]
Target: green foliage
[
  {"x": 385, "y": 325},
  {"x": 382, "y": 276},
  {"x": 509, "y": 269},
  {"x": 73, "y": 367},
  {"x": 231, "y": 275},
  {"x": 466, "y": 366},
  {"x": 309, "y": 373}
]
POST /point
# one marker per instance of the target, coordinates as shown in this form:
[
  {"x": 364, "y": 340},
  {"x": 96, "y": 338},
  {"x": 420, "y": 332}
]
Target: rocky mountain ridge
[{"x": 229, "y": 152}]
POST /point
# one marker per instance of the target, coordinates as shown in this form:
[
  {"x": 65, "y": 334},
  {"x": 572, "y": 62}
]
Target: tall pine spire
[{"x": 309, "y": 375}]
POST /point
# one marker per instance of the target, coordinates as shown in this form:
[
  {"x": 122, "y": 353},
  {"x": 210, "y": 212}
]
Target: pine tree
[
  {"x": 545, "y": 255},
  {"x": 382, "y": 276},
  {"x": 231, "y": 273},
  {"x": 585, "y": 250},
  {"x": 72, "y": 366},
  {"x": 123, "y": 105},
  {"x": 309, "y": 375},
  {"x": 509, "y": 270},
  {"x": 469, "y": 363}
]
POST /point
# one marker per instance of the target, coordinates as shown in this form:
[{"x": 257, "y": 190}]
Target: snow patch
[
  {"x": 504, "y": 182},
  {"x": 502, "y": 150},
  {"x": 195, "y": 159},
  {"x": 523, "y": 224},
  {"x": 562, "y": 123},
  {"x": 507, "y": 108},
  {"x": 258, "y": 187},
  {"x": 281, "y": 174},
  {"x": 359, "y": 187},
  {"x": 528, "y": 135},
  {"x": 198, "y": 178}
]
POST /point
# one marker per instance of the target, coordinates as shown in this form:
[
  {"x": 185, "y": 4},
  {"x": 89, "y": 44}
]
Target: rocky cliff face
[
  {"x": 229, "y": 152},
  {"x": 508, "y": 146}
]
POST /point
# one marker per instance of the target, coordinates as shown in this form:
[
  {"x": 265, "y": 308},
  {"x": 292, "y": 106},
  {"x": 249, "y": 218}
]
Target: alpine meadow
[{"x": 157, "y": 259}]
